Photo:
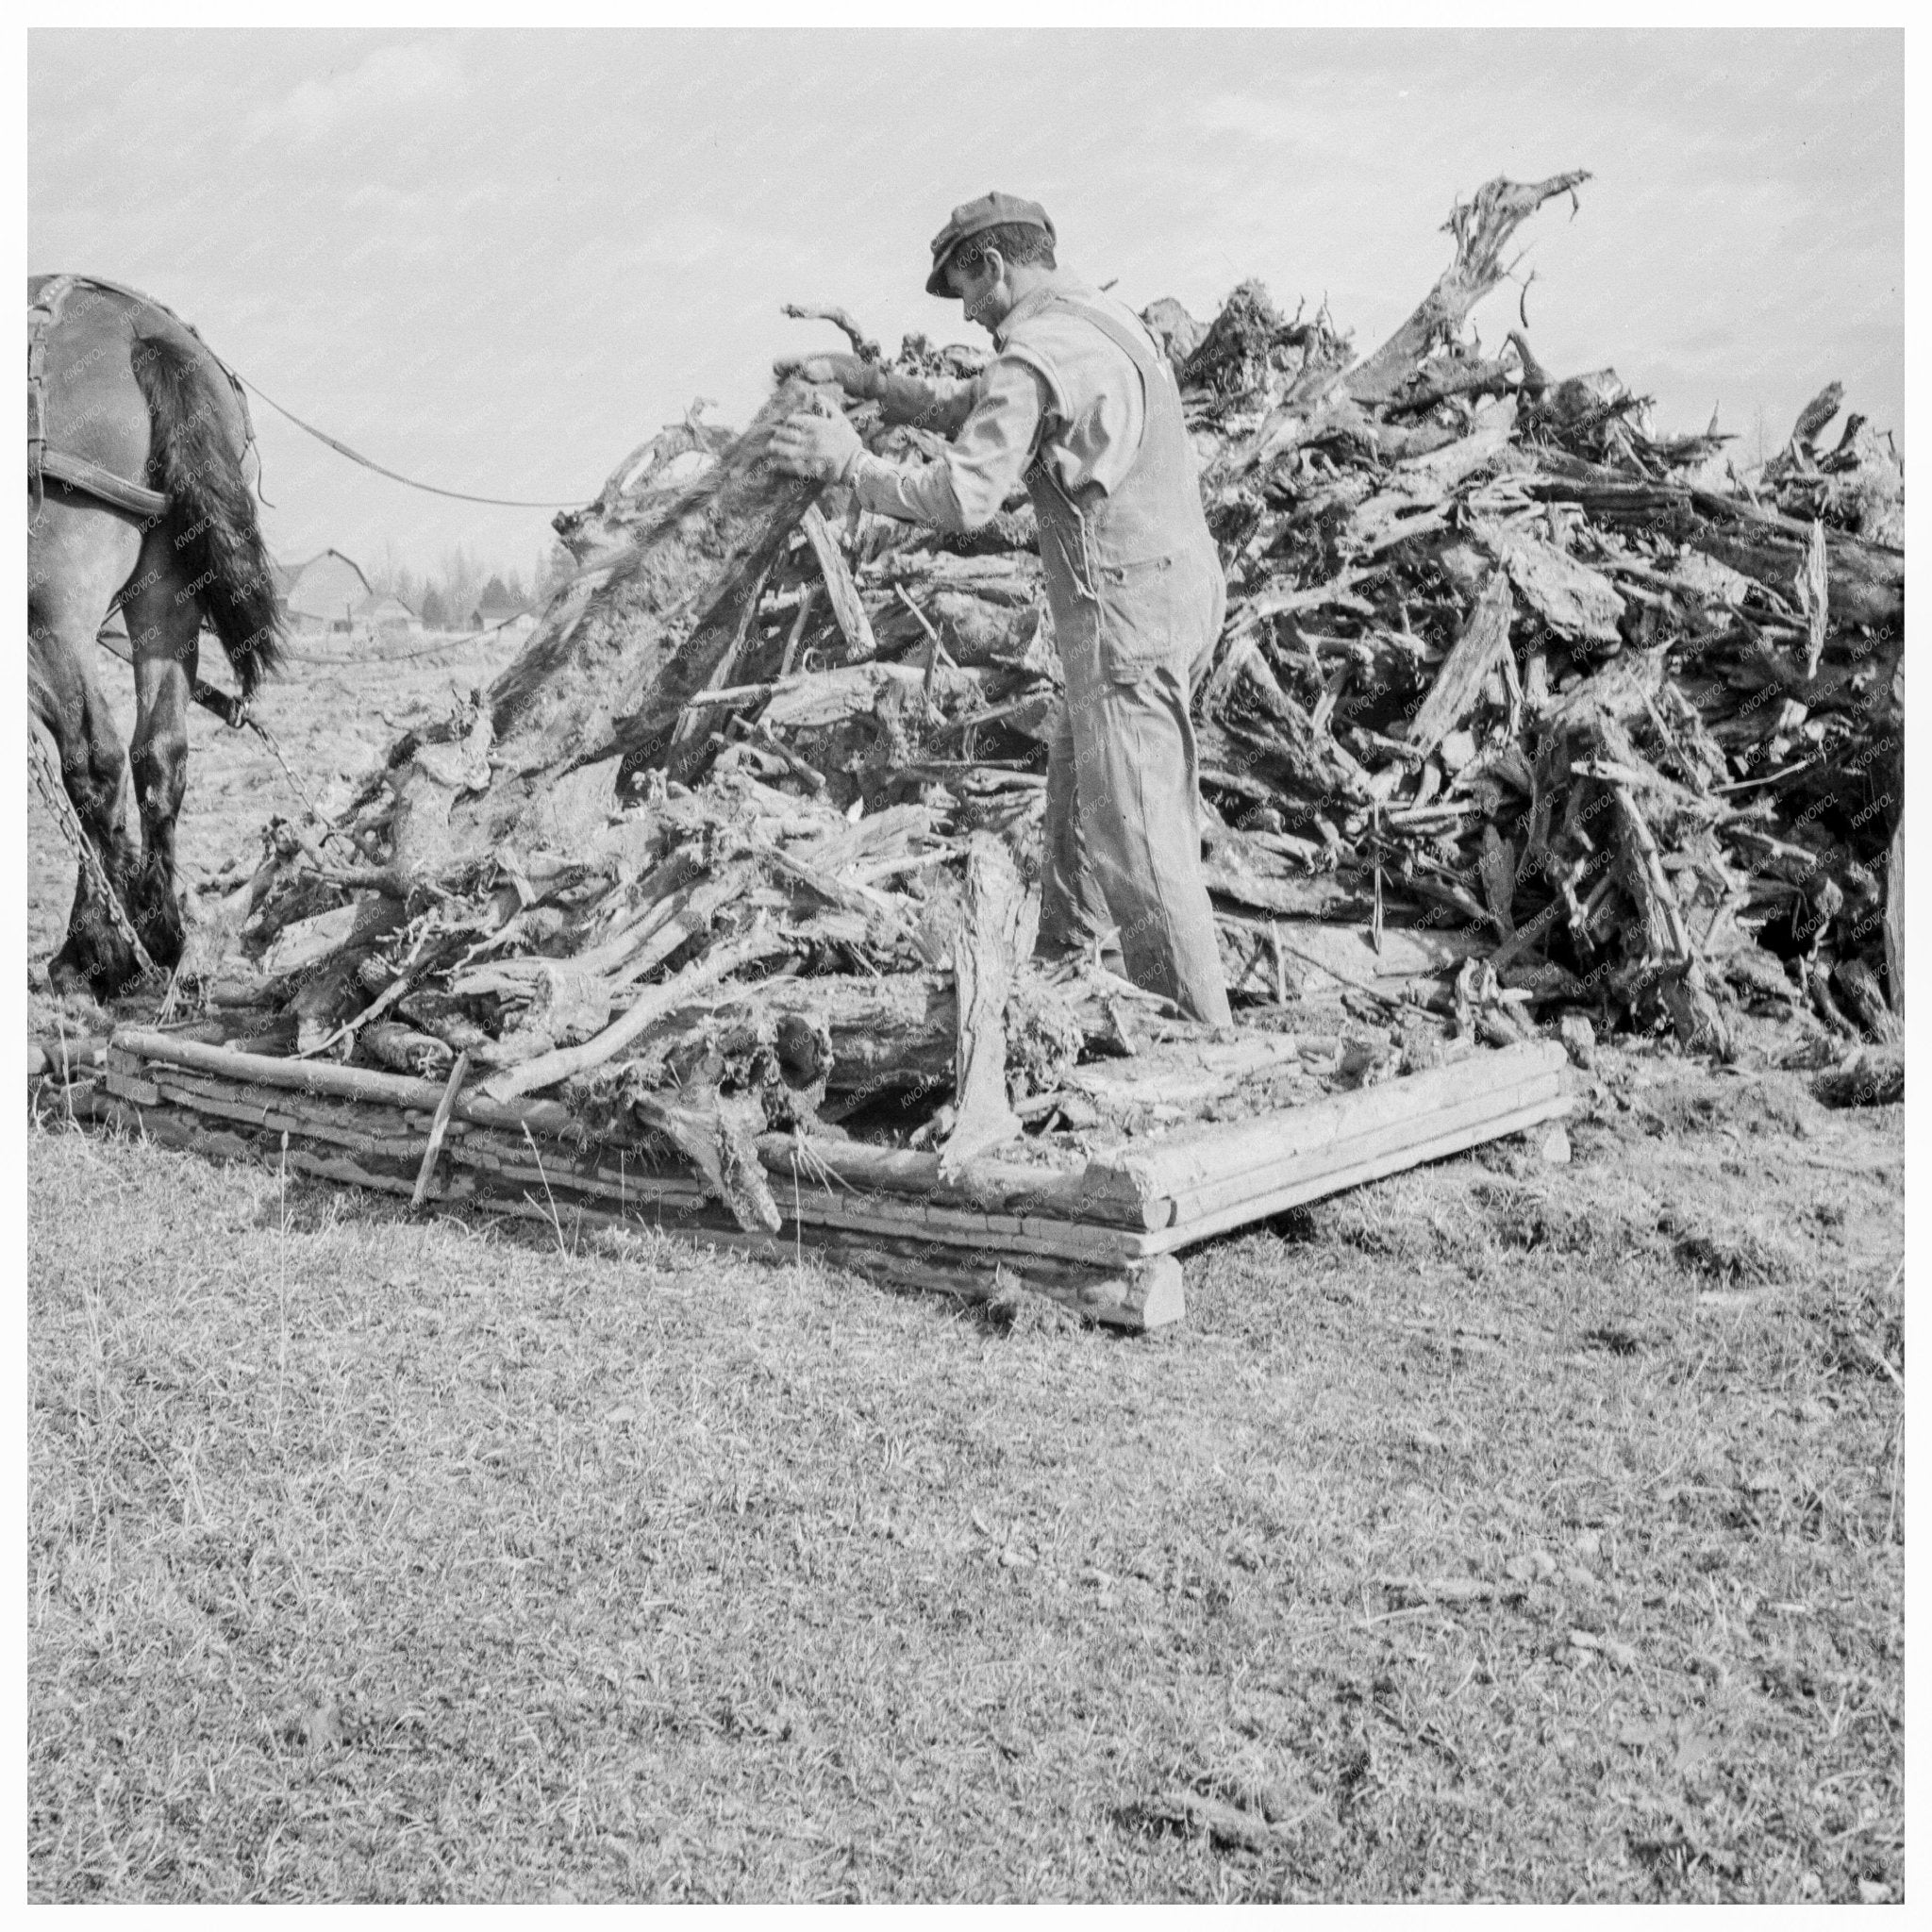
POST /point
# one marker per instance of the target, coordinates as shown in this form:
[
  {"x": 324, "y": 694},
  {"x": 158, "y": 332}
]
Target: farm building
[
  {"x": 387, "y": 615},
  {"x": 495, "y": 608},
  {"x": 324, "y": 594}
]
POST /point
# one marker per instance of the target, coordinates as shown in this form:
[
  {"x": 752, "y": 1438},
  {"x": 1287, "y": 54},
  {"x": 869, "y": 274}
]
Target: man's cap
[{"x": 992, "y": 210}]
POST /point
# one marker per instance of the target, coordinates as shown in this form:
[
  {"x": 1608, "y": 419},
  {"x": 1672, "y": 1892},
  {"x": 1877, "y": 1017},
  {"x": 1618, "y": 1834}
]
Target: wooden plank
[
  {"x": 998, "y": 1234},
  {"x": 1184, "y": 1162},
  {"x": 1138, "y": 1296},
  {"x": 282, "y": 1111},
  {"x": 1141, "y": 1296},
  {"x": 1390, "y": 1135},
  {"x": 634, "y": 1190},
  {"x": 608, "y": 1158},
  {"x": 235, "y": 1105},
  {"x": 279, "y": 1105},
  {"x": 1135, "y": 1293},
  {"x": 340, "y": 1169},
  {"x": 248, "y": 1113},
  {"x": 1070, "y": 1216},
  {"x": 182, "y": 1119},
  {"x": 1007, "y": 1186},
  {"x": 1242, "y": 1172},
  {"x": 1261, "y": 1207},
  {"x": 169, "y": 1128}
]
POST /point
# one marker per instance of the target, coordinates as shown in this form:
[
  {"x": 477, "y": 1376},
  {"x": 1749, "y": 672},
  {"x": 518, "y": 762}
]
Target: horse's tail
[{"x": 211, "y": 516}]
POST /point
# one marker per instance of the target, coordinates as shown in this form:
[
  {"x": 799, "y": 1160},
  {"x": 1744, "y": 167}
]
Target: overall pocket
[{"x": 1153, "y": 610}]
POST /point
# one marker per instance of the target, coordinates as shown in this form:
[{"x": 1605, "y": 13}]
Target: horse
[{"x": 141, "y": 473}]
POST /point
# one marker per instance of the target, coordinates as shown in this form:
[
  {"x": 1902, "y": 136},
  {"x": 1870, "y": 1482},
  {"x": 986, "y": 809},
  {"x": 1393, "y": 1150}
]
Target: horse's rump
[{"x": 124, "y": 399}]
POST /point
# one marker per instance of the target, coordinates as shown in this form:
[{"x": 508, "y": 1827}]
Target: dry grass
[{"x": 1497, "y": 1531}]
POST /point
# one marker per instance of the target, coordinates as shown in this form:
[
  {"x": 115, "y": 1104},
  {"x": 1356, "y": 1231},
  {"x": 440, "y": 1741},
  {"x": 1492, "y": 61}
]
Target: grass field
[{"x": 1498, "y": 1531}]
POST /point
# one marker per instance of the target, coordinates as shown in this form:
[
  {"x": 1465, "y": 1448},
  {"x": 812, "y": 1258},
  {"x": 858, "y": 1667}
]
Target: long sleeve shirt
[{"x": 1078, "y": 406}]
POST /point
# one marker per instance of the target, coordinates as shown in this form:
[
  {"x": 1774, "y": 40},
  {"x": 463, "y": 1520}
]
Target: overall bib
[{"x": 1137, "y": 597}]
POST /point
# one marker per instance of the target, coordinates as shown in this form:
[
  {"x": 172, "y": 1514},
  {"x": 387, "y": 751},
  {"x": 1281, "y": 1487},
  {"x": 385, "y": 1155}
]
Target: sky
[{"x": 499, "y": 261}]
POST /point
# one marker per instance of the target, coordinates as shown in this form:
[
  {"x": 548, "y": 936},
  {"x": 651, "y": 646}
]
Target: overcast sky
[{"x": 498, "y": 262}]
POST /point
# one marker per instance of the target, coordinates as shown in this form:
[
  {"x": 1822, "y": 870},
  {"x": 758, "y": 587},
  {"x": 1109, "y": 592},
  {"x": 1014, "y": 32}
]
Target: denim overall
[{"x": 1136, "y": 595}]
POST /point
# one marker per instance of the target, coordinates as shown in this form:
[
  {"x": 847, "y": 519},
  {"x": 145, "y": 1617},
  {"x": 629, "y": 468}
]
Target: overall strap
[{"x": 1122, "y": 337}]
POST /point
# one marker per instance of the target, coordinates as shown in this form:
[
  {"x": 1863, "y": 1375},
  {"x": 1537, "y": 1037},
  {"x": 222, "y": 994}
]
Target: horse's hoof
[
  {"x": 65, "y": 977},
  {"x": 98, "y": 966},
  {"x": 160, "y": 920}
]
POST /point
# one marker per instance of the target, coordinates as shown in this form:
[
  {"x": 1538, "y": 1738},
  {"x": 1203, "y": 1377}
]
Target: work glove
[
  {"x": 821, "y": 448},
  {"x": 852, "y": 374}
]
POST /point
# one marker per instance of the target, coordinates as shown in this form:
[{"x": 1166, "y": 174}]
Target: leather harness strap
[
  {"x": 76, "y": 472},
  {"x": 40, "y": 315}
]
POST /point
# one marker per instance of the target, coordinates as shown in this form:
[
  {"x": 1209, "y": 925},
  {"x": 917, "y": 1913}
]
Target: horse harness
[{"x": 45, "y": 459}]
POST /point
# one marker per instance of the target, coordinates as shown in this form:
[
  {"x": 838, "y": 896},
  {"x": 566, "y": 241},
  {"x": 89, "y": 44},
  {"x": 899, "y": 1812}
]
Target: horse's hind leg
[
  {"x": 78, "y": 559},
  {"x": 164, "y": 627}
]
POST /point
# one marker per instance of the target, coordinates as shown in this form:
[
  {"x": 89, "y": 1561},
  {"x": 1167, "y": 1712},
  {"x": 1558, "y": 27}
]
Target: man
[{"x": 1080, "y": 403}]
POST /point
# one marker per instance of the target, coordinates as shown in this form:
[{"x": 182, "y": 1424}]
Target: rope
[
  {"x": 48, "y": 781},
  {"x": 395, "y": 475}
]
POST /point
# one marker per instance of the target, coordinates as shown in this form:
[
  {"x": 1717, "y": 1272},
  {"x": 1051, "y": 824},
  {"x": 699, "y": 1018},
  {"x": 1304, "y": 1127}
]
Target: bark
[
  {"x": 613, "y": 674},
  {"x": 718, "y": 960},
  {"x": 1484, "y": 640},
  {"x": 983, "y": 963},
  {"x": 1867, "y": 581},
  {"x": 1572, "y": 599},
  {"x": 894, "y": 1033},
  {"x": 846, "y": 608},
  {"x": 1482, "y": 227}
]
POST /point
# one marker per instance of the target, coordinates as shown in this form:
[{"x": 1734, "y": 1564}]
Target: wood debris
[{"x": 1522, "y": 708}]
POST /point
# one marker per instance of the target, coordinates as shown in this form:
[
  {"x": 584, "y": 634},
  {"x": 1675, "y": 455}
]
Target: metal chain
[
  {"x": 268, "y": 738},
  {"x": 49, "y": 783},
  {"x": 236, "y": 715}
]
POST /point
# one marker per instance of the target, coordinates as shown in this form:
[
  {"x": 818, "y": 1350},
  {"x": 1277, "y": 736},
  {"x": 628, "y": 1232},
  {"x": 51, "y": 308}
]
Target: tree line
[{"x": 446, "y": 595}]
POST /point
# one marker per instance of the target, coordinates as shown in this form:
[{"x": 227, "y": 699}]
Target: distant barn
[{"x": 322, "y": 594}]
